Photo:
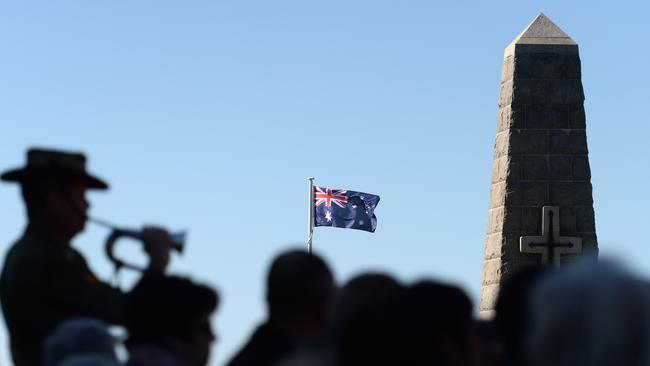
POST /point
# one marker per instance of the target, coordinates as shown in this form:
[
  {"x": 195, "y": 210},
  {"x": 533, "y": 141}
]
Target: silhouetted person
[
  {"x": 350, "y": 301},
  {"x": 589, "y": 314},
  {"x": 441, "y": 324},
  {"x": 490, "y": 351},
  {"x": 168, "y": 319},
  {"x": 299, "y": 292},
  {"x": 370, "y": 333},
  {"x": 44, "y": 280},
  {"x": 424, "y": 324},
  {"x": 512, "y": 314}
]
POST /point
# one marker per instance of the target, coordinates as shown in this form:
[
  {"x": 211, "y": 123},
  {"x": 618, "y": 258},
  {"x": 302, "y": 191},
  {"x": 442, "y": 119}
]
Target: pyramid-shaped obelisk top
[{"x": 541, "y": 31}]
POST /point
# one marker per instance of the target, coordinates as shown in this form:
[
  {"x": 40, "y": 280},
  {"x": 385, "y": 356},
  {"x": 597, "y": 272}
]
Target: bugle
[{"x": 177, "y": 242}]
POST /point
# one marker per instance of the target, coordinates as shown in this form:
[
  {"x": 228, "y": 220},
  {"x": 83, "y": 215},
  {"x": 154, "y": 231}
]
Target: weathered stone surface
[
  {"x": 523, "y": 69},
  {"x": 526, "y": 193},
  {"x": 540, "y": 153},
  {"x": 499, "y": 169},
  {"x": 532, "y": 221},
  {"x": 585, "y": 220},
  {"x": 547, "y": 116},
  {"x": 560, "y": 167},
  {"x": 567, "y": 142},
  {"x": 542, "y": 31},
  {"x": 498, "y": 194},
  {"x": 512, "y": 218},
  {"x": 567, "y": 220},
  {"x": 492, "y": 271},
  {"x": 581, "y": 170},
  {"x": 515, "y": 167},
  {"x": 521, "y": 49},
  {"x": 501, "y": 144},
  {"x": 504, "y": 167},
  {"x": 541, "y": 36},
  {"x": 547, "y": 66},
  {"x": 511, "y": 243},
  {"x": 511, "y": 117},
  {"x": 535, "y": 167},
  {"x": 590, "y": 243},
  {"x": 507, "y": 71},
  {"x": 506, "y": 93},
  {"x": 519, "y": 261},
  {"x": 528, "y": 142},
  {"x": 495, "y": 220},
  {"x": 494, "y": 245},
  {"x": 548, "y": 167},
  {"x": 577, "y": 116},
  {"x": 489, "y": 295},
  {"x": 572, "y": 67},
  {"x": 570, "y": 194},
  {"x": 542, "y": 65},
  {"x": 573, "y": 91}
]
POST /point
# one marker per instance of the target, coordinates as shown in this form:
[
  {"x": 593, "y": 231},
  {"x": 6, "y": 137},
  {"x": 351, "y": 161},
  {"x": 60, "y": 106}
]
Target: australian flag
[{"x": 346, "y": 209}]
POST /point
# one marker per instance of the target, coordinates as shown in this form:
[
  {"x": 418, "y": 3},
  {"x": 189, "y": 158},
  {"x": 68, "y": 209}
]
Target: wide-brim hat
[{"x": 45, "y": 164}]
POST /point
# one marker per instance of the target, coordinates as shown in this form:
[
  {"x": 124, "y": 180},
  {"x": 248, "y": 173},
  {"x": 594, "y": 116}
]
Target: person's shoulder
[
  {"x": 250, "y": 353},
  {"x": 25, "y": 266},
  {"x": 26, "y": 250},
  {"x": 266, "y": 346},
  {"x": 37, "y": 255}
]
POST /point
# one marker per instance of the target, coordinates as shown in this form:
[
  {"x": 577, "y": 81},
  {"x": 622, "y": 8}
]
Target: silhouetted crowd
[
  {"x": 585, "y": 314},
  {"x": 58, "y": 313}
]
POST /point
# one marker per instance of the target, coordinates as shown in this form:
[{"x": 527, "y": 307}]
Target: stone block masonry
[{"x": 540, "y": 154}]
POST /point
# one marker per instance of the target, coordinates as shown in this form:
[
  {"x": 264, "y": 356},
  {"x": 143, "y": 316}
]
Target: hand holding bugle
[{"x": 157, "y": 243}]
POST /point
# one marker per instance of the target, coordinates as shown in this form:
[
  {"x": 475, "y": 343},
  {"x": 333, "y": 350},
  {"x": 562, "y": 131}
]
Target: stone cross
[
  {"x": 540, "y": 159},
  {"x": 551, "y": 245}
]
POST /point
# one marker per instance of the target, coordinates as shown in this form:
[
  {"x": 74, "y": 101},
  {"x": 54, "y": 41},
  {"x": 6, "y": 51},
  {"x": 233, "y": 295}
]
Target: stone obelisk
[{"x": 541, "y": 206}]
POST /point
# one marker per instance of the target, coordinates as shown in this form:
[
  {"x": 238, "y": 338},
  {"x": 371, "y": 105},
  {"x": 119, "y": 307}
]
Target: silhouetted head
[
  {"x": 360, "y": 292},
  {"x": 441, "y": 327},
  {"x": 589, "y": 314},
  {"x": 512, "y": 310},
  {"x": 172, "y": 313},
  {"x": 371, "y": 334},
  {"x": 53, "y": 185},
  {"x": 59, "y": 206},
  {"x": 299, "y": 289},
  {"x": 78, "y": 337}
]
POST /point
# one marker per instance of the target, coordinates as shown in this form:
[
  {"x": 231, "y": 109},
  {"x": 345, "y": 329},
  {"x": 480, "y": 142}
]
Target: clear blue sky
[{"x": 209, "y": 116}]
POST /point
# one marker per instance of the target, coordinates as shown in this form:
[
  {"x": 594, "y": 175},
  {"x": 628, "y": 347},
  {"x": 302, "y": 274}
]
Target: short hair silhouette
[
  {"x": 440, "y": 322},
  {"x": 372, "y": 335},
  {"x": 163, "y": 307},
  {"x": 361, "y": 291},
  {"x": 298, "y": 283},
  {"x": 79, "y": 336},
  {"x": 299, "y": 289}
]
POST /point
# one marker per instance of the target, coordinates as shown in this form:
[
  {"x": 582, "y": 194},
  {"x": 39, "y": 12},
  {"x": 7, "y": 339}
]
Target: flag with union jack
[{"x": 345, "y": 209}]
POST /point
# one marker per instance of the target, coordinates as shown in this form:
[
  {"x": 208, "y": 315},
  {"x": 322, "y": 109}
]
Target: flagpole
[{"x": 310, "y": 223}]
